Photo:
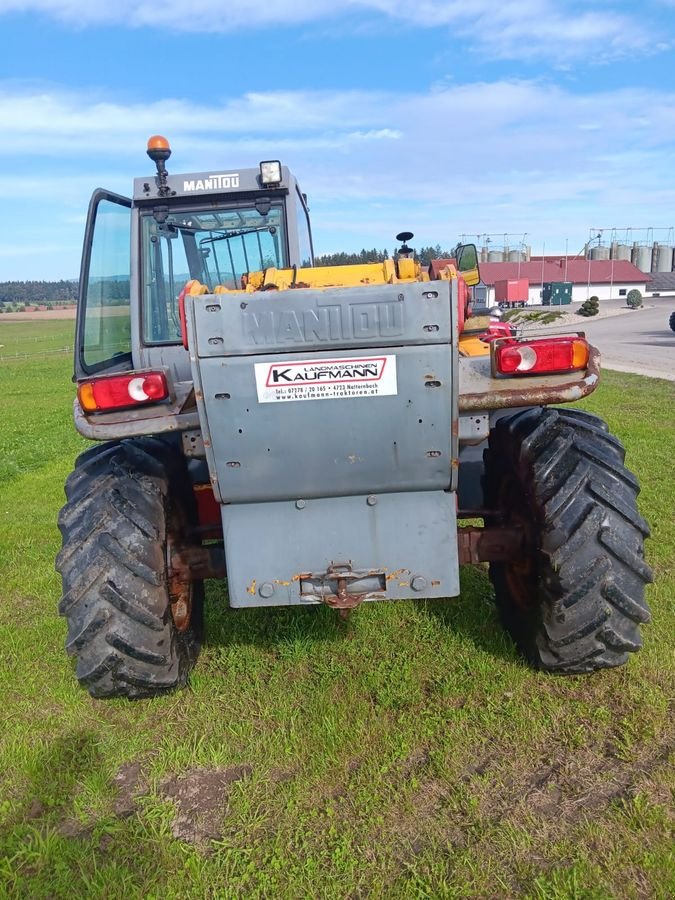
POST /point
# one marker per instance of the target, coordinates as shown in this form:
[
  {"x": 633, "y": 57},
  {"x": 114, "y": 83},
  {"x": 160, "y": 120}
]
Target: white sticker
[{"x": 326, "y": 379}]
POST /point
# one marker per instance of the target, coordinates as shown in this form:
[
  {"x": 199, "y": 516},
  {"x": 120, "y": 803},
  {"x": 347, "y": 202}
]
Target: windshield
[{"x": 216, "y": 247}]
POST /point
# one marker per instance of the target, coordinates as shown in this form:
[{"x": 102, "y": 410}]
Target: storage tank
[
  {"x": 641, "y": 257},
  {"x": 512, "y": 290},
  {"x": 528, "y": 252},
  {"x": 600, "y": 253},
  {"x": 662, "y": 258},
  {"x": 516, "y": 256},
  {"x": 483, "y": 254},
  {"x": 496, "y": 256},
  {"x": 620, "y": 251}
]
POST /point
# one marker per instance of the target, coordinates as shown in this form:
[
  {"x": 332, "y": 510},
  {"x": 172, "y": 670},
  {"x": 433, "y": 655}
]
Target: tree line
[
  {"x": 423, "y": 255},
  {"x": 38, "y": 292},
  {"x": 50, "y": 293}
]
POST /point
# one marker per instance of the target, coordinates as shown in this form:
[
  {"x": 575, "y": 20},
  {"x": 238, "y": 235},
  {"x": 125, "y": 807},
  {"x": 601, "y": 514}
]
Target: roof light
[
  {"x": 270, "y": 172},
  {"x": 158, "y": 148},
  {"x": 540, "y": 357},
  {"x": 122, "y": 391}
]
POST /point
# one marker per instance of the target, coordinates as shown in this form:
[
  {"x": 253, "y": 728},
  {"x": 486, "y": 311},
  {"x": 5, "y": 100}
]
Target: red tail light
[
  {"x": 541, "y": 356},
  {"x": 121, "y": 391}
]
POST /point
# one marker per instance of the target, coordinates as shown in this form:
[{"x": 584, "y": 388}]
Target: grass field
[{"x": 408, "y": 753}]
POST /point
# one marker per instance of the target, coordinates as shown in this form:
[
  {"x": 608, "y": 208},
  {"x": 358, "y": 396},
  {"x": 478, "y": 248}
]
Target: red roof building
[{"x": 605, "y": 277}]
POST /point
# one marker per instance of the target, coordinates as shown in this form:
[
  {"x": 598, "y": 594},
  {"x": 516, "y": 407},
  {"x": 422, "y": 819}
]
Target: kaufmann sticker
[{"x": 326, "y": 379}]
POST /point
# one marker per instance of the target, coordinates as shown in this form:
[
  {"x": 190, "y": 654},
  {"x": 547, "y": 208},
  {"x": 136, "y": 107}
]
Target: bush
[
  {"x": 634, "y": 299},
  {"x": 589, "y": 307}
]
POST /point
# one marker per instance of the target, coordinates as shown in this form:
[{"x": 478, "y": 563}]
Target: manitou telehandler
[{"x": 314, "y": 435}]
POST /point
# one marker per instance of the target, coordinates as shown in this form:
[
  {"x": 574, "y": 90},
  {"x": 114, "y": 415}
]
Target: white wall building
[{"x": 607, "y": 279}]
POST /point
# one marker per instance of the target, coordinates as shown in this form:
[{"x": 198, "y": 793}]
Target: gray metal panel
[
  {"x": 276, "y": 551},
  {"x": 304, "y": 319},
  {"x": 328, "y": 447},
  {"x": 205, "y": 184}
]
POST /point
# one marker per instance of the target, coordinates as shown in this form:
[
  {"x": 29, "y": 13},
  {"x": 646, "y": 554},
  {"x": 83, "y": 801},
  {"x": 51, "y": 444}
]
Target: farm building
[
  {"x": 606, "y": 278},
  {"x": 662, "y": 283}
]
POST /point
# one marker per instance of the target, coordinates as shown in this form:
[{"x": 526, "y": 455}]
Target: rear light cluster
[
  {"x": 540, "y": 357},
  {"x": 122, "y": 391}
]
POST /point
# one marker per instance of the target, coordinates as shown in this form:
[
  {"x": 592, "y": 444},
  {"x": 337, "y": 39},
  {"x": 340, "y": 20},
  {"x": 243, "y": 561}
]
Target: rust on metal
[
  {"x": 534, "y": 394},
  {"x": 196, "y": 563},
  {"x": 500, "y": 544},
  {"x": 342, "y": 574},
  {"x": 187, "y": 564}
]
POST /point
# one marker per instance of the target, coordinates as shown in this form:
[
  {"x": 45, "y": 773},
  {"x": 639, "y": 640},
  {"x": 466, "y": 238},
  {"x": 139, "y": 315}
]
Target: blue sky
[{"x": 534, "y": 117}]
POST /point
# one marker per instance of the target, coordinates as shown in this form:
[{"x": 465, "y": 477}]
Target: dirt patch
[
  {"x": 565, "y": 786},
  {"x": 418, "y": 759},
  {"x": 281, "y": 776},
  {"x": 68, "y": 313},
  {"x": 130, "y": 783},
  {"x": 581, "y": 785},
  {"x": 201, "y": 798}
]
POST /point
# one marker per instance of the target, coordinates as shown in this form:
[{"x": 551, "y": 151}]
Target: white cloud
[
  {"x": 514, "y": 29},
  {"x": 505, "y": 156}
]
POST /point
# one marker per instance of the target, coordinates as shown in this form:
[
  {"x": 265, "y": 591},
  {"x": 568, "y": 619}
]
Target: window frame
[
  {"x": 123, "y": 361},
  {"x": 301, "y": 206},
  {"x": 196, "y": 208}
]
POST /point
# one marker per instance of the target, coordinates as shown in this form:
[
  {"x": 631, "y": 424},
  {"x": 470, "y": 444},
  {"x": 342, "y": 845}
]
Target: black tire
[
  {"x": 671, "y": 321},
  {"x": 575, "y": 604},
  {"x": 125, "y": 500}
]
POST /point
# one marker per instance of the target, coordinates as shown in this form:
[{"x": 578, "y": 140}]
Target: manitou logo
[
  {"x": 213, "y": 183},
  {"x": 357, "y": 321}
]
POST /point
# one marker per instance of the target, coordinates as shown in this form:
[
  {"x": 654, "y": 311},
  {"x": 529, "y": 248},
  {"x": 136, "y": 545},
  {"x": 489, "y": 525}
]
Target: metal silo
[
  {"x": 528, "y": 252},
  {"x": 662, "y": 258},
  {"x": 495, "y": 256},
  {"x": 620, "y": 251},
  {"x": 600, "y": 253},
  {"x": 516, "y": 256},
  {"x": 483, "y": 254},
  {"x": 641, "y": 257}
]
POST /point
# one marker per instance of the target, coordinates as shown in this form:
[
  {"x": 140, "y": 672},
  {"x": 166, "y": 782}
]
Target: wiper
[{"x": 233, "y": 234}]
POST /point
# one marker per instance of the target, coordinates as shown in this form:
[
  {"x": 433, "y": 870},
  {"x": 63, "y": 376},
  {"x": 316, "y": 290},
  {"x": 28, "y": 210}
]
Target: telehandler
[{"x": 316, "y": 435}]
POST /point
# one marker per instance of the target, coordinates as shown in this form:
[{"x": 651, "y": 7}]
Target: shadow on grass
[
  {"x": 56, "y": 773},
  {"x": 46, "y": 850},
  {"x": 472, "y": 615},
  {"x": 268, "y": 627}
]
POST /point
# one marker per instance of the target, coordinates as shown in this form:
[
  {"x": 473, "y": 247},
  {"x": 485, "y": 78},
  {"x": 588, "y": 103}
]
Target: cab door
[{"x": 104, "y": 304}]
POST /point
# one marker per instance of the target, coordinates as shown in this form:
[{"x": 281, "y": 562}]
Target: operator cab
[{"x": 213, "y": 227}]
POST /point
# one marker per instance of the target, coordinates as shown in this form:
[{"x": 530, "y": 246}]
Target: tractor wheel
[
  {"x": 575, "y": 602},
  {"x": 134, "y": 630},
  {"x": 671, "y": 321}
]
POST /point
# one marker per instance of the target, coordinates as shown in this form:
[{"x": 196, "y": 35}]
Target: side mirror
[{"x": 466, "y": 257}]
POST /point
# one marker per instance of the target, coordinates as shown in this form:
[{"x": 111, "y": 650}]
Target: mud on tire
[
  {"x": 124, "y": 498},
  {"x": 576, "y": 603}
]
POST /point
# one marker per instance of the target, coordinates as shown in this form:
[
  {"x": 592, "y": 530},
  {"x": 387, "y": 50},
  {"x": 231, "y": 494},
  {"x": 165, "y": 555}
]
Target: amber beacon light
[{"x": 158, "y": 148}]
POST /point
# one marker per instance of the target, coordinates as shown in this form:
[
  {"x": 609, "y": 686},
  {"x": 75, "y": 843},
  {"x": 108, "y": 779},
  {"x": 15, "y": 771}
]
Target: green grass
[{"x": 408, "y": 753}]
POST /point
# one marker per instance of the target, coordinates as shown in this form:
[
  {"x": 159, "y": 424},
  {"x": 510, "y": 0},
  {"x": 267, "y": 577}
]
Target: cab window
[
  {"x": 216, "y": 247},
  {"x": 105, "y": 326}
]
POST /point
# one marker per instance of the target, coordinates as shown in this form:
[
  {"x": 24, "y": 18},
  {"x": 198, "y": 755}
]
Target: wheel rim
[
  {"x": 520, "y": 575},
  {"x": 180, "y": 585}
]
